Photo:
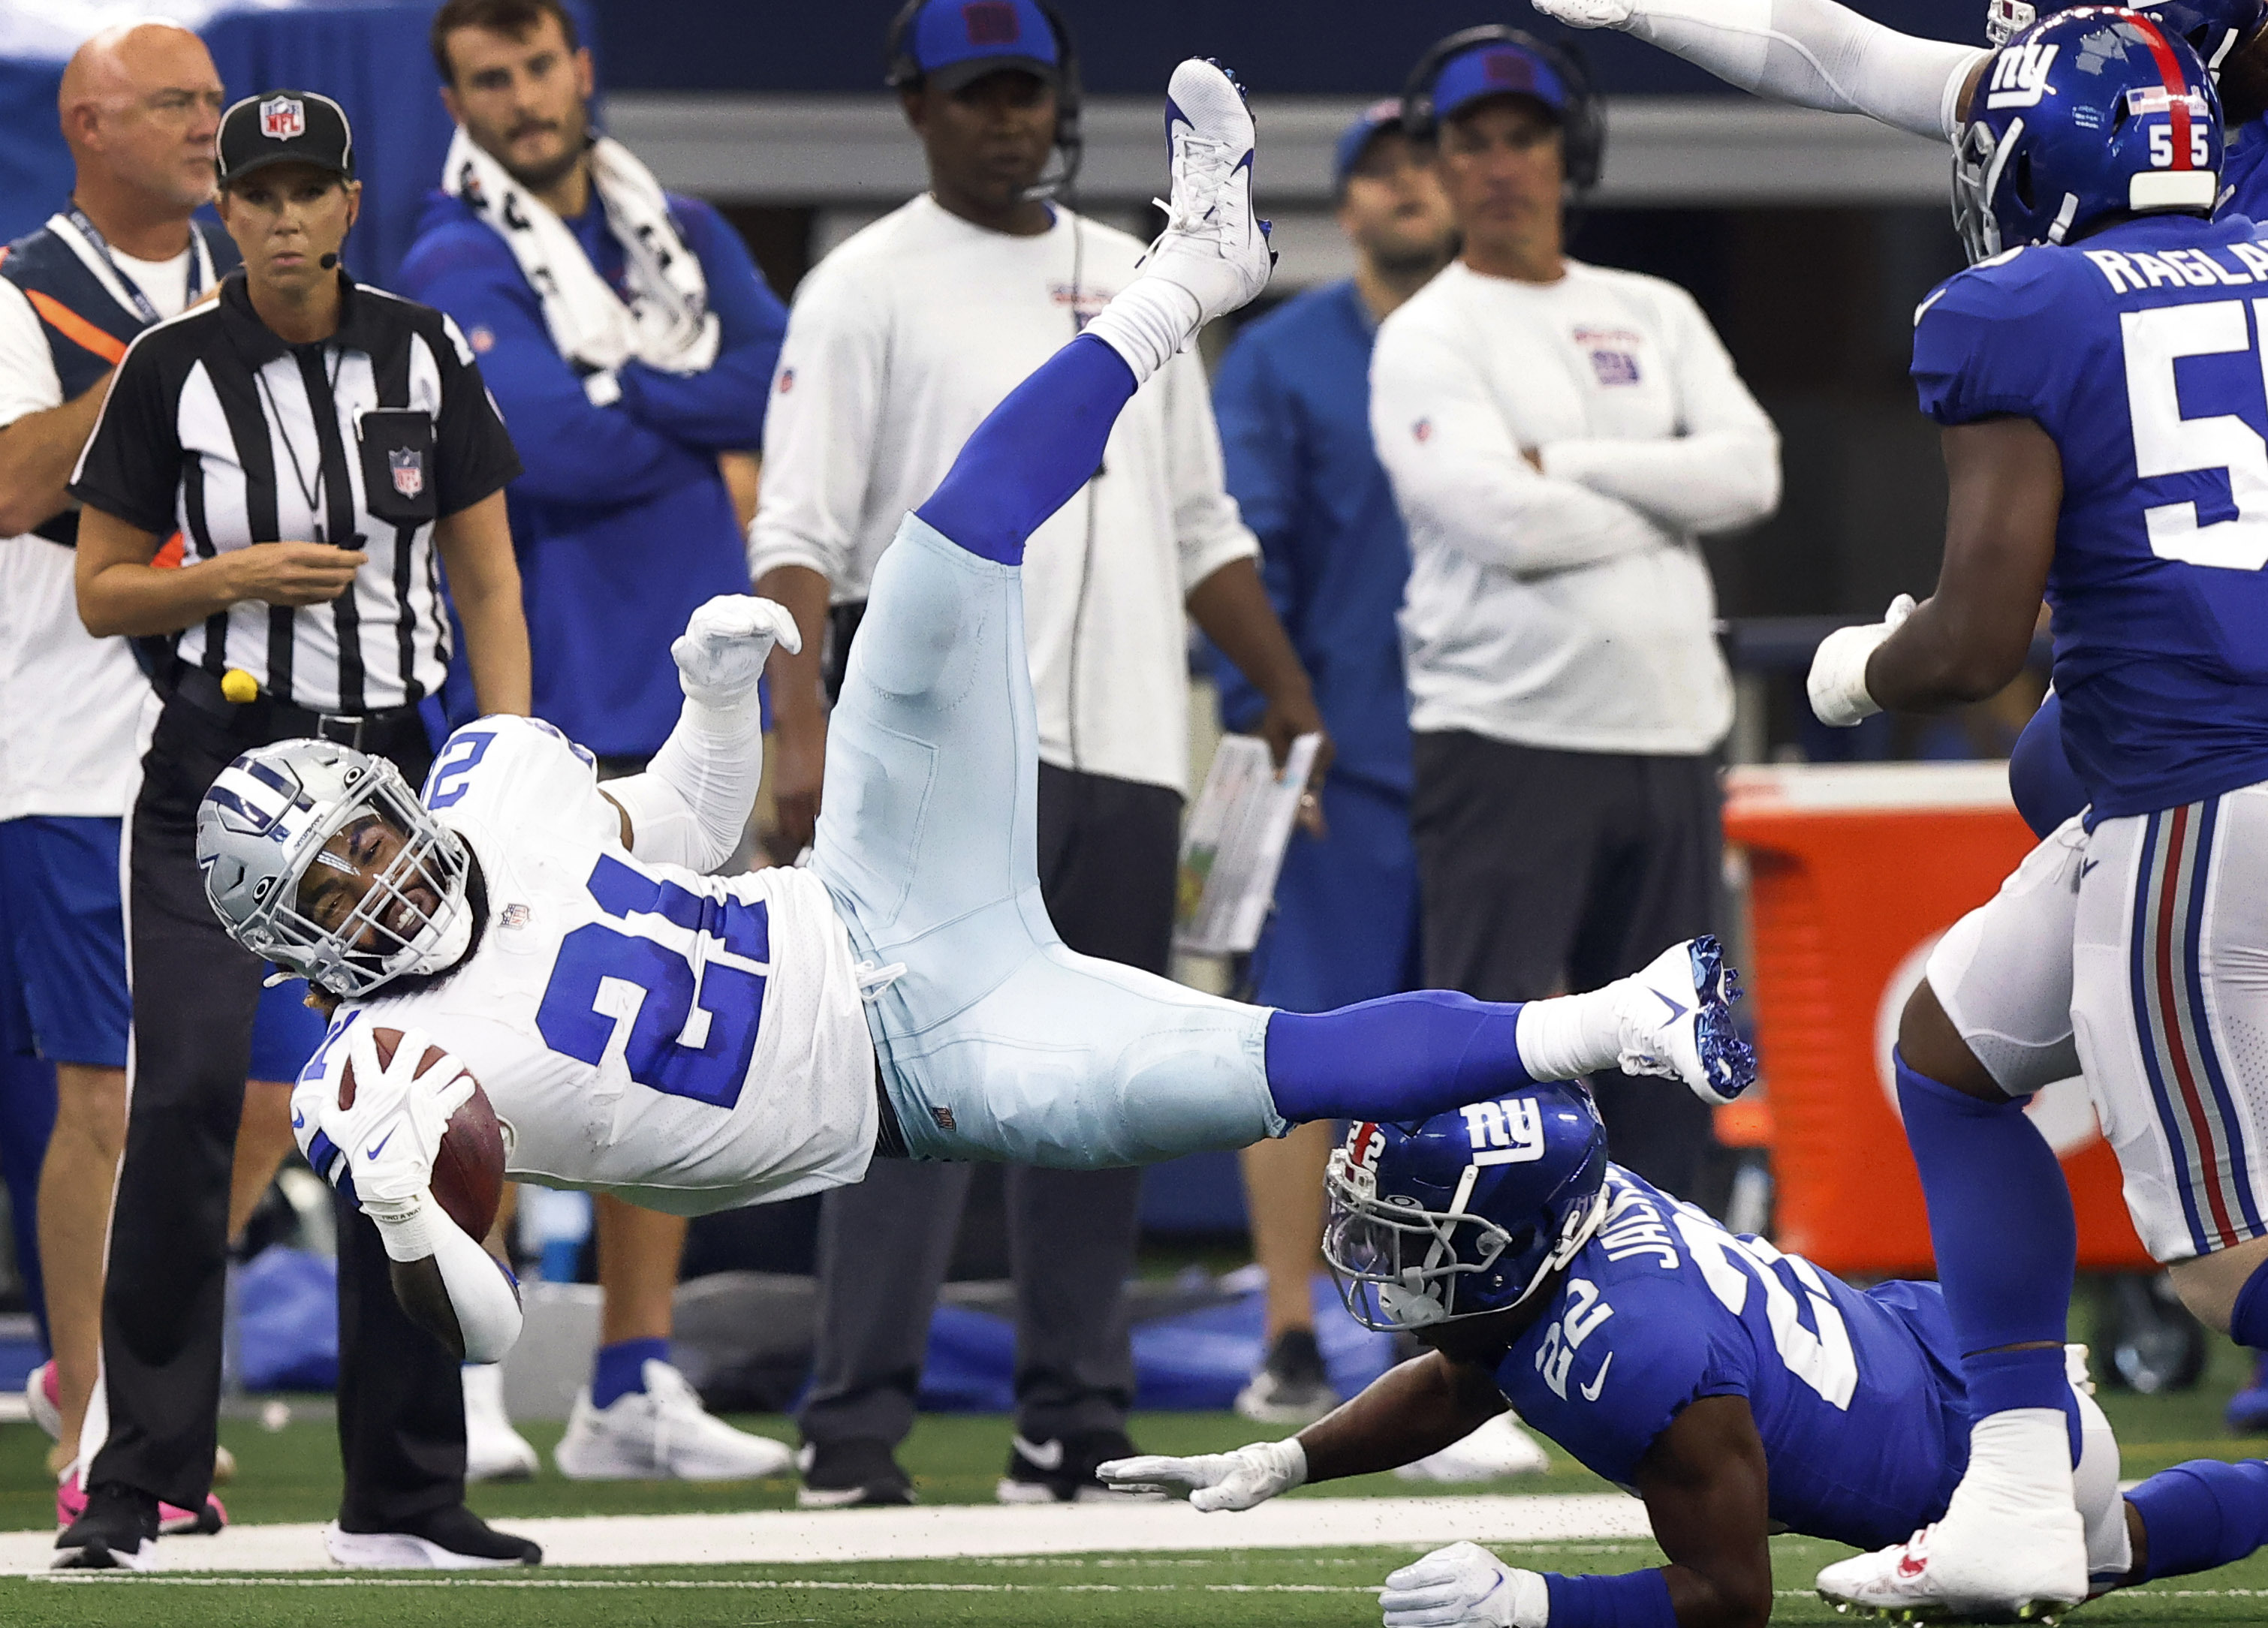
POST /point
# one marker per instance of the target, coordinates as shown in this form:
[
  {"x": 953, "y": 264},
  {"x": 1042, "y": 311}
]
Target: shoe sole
[
  {"x": 399, "y": 1552},
  {"x": 103, "y": 1557},
  {"x": 851, "y": 1498},
  {"x": 509, "y": 1472},
  {"x": 2047, "y": 1613},
  {"x": 1728, "y": 1063}
]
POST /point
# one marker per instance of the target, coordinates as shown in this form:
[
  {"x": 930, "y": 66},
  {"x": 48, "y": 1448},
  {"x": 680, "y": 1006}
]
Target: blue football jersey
[
  {"x": 1858, "y": 1396},
  {"x": 2140, "y": 351}
]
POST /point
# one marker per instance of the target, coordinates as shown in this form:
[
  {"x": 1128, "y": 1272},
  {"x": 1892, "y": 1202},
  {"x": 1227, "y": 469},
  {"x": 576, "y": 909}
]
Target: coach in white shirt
[
  {"x": 1558, "y": 436},
  {"x": 898, "y": 346}
]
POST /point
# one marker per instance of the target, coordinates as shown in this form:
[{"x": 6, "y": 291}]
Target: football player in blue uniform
[
  {"x": 1738, "y": 1391},
  {"x": 2100, "y": 381}
]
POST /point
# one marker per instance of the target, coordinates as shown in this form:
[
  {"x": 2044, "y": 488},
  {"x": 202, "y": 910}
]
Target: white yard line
[{"x": 948, "y": 1531}]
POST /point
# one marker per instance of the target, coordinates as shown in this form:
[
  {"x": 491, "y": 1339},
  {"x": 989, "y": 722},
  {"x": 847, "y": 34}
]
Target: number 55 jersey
[
  {"x": 2140, "y": 351},
  {"x": 692, "y": 1043}
]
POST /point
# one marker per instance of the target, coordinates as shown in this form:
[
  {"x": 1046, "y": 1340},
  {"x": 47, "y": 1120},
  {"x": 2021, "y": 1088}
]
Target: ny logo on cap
[
  {"x": 992, "y": 22},
  {"x": 408, "y": 468},
  {"x": 283, "y": 118}
]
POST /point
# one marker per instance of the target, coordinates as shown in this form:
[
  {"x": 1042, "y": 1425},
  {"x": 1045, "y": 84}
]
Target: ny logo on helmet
[
  {"x": 1505, "y": 1132},
  {"x": 2019, "y": 77}
]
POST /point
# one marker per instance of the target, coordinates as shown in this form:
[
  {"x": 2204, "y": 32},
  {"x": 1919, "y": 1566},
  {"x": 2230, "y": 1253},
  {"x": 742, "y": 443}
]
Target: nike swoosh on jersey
[
  {"x": 1598, "y": 1380},
  {"x": 1049, "y": 1455}
]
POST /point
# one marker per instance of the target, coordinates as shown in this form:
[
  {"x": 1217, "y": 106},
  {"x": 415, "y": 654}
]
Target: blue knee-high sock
[
  {"x": 621, "y": 1368},
  {"x": 2007, "y": 1245},
  {"x": 1400, "y": 1058},
  {"x": 2248, "y": 1323},
  {"x": 1032, "y": 452},
  {"x": 2202, "y": 1514}
]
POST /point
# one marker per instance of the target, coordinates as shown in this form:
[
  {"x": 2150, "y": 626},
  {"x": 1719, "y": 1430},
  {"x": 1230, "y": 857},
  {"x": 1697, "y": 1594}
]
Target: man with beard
[{"x": 629, "y": 341}]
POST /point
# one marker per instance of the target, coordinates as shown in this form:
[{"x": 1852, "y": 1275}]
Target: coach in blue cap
[
  {"x": 1292, "y": 396},
  {"x": 1559, "y": 436}
]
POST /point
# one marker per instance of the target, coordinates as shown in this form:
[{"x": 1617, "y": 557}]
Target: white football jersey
[{"x": 691, "y": 1043}]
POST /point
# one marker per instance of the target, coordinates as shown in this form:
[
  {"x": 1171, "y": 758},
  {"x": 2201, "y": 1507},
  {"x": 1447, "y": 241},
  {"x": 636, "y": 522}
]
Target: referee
[{"x": 310, "y": 606}]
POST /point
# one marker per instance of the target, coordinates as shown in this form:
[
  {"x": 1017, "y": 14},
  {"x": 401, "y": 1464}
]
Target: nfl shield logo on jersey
[
  {"x": 283, "y": 118},
  {"x": 408, "y": 467}
]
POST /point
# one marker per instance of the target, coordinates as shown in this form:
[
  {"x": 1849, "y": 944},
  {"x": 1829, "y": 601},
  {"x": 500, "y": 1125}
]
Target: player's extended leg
[
  {"x": 1990, "y": 1025},
  {"x": 2196, "y": 1516}
]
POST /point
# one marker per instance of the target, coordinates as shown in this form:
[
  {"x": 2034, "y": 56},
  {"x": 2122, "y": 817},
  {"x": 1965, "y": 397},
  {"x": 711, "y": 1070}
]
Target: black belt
[{"x": 275, "y": 720}]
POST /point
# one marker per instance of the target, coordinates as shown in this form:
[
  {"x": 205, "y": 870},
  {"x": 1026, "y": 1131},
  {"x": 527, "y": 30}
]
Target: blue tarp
[
  {"x": 368, "y": 55},
  {"x": 287, "y": 1321}
]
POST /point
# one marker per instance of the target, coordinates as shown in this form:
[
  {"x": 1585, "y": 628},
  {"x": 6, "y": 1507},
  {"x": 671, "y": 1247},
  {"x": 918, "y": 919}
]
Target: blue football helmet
[
  {"x": 1467, "y": 1213},
  {"x": 2086, "y": 112},
  {"x": 2212, "y": 28}
]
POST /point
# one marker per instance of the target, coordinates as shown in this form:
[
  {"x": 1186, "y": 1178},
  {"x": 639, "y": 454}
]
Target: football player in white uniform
[{"x": 695, "y": 1042}]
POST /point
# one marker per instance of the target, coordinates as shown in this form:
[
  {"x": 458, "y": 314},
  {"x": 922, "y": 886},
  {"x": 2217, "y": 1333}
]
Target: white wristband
[{"x": 404, "y": 1226}]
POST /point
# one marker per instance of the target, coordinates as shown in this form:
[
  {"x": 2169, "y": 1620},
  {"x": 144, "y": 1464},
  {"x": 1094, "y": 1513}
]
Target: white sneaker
[
  {"x": 1213, "y": 246},
  {"x": 1677, "y": 1021},
  {"x": 1497, "y": 1449},
  {"x": 40, "y": 1400},
  {"x": 494, "y": 1451},
  {"x": 2006, "y": 1550},
  {"x": 662, "y": 1432}
]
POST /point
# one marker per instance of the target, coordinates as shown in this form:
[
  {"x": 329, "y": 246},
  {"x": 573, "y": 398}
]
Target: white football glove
[
  {"x": 721, "y": 654},
  {"x": 1838, "y": 683},
  {"x": 1464, "y": 1586},
  {"x": 389, "y": 1137},
  {"x": 1588, "y": 13},
  {"x": 1250, "y": 1475}
]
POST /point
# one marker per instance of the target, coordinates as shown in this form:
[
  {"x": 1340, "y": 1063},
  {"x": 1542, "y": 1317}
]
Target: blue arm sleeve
[
  {"x": 721, "y": 407},
  {"x": 1259, "y": 455},
  {"x": 573, "y": 452}
]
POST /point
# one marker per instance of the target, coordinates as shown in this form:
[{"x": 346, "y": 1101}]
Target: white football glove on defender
[
  {"x": 1250, "y": 1475},
  {"x": 721, "y": 654},
  {"x": 1587, "y": 13},
  {"x": 1464, "y": 1586},
  {"x": 1837, "y": 684}
]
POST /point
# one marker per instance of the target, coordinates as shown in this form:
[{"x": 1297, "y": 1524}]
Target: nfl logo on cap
[
  {"x": 408, "y": 467},
  {"x": 283, "y": 118}
]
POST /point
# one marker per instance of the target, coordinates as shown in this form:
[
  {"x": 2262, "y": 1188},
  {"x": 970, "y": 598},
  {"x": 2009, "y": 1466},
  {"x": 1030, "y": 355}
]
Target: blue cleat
[{"x": 1677, "y": 1021}]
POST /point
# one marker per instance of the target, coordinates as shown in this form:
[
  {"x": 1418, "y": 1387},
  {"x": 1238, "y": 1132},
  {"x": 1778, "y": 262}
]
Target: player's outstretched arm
[
  {"x": 1811, "y": 52},
  {"x": 1971, "y": 638},
  {"x": 692, "y": 802}
]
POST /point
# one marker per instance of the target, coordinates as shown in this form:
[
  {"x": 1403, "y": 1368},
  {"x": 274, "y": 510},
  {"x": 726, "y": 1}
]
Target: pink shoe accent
[{"x": 173, "y": 1521}]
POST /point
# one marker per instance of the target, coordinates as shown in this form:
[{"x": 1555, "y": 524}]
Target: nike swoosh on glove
[
  {"x": 1464, "y": 1586},
  {"x": 394, "y": 1131},
  {"x": 1251, "y": 1475},
  {"x": 1837, "y": 681},
  {"x": 720, "y": 656}
]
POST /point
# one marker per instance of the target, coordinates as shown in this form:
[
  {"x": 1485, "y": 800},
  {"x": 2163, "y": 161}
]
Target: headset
[
  {"x": 901, "y": 70},
  {"x": 1584, "y": 119}
]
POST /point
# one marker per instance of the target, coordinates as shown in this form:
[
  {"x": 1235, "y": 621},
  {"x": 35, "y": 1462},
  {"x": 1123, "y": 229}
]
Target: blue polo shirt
[{"x": 622, "y": 521}]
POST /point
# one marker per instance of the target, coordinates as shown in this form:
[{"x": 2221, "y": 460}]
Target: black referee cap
[{"x": 283, "y": 126}]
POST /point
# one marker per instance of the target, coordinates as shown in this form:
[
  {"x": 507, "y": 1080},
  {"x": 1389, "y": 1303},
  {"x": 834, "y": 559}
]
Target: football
[{"x": 469, "y": 1169}]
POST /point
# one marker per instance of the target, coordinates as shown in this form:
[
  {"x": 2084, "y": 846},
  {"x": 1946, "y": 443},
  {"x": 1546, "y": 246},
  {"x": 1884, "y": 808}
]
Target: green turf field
[{"x": 292, "y": 1475}]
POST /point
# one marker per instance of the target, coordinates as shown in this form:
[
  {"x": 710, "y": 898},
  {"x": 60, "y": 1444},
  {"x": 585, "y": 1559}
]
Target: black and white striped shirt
[{"x": 219, "y": 430}]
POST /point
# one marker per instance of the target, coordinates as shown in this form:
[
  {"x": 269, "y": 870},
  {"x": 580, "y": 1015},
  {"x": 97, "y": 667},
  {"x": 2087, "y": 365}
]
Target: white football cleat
[
  {"x": 2010, "y": 1547},
  {"x": 1213, "y": 246},
  {"x": 662, "y": 1434},
  {"x": 494, "y": 1451},
  {"x": 1497, "y": 1449},
  {"x": 1587, "y": 13},
  {"x": 1677, "y": 1021}
]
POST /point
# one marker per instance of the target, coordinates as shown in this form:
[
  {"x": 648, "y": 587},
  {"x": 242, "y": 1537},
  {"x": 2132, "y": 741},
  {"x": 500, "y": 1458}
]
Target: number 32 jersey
[
  {"x": 1857, "y": 1396},
  {"x": 2140, "y": 350},
  {"x": 692, "y": 1043}
]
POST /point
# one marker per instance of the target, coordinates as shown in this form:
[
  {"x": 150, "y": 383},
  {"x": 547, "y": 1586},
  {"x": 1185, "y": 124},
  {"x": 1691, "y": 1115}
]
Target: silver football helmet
[{"x": 260, "y": 830}]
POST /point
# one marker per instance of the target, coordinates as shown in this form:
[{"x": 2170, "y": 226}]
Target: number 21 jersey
[
  {"x": 2140, "y": 351},
  {"x": 693, "y": 1043}
]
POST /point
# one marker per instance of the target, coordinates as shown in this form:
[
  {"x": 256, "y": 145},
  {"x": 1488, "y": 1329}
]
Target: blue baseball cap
[
  {"x": 954, "y": 42},
  {"x": 1496, "y": 67},
  {"x": 1371, "y": 123}
]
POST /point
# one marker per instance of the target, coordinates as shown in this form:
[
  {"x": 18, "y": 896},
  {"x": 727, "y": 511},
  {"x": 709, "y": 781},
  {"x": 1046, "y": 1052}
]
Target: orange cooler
[{"x": 1855, "y": 871}]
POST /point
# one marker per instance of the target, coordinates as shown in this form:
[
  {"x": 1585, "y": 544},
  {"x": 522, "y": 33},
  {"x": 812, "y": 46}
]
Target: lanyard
[{"x": 143, "y": 308}]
